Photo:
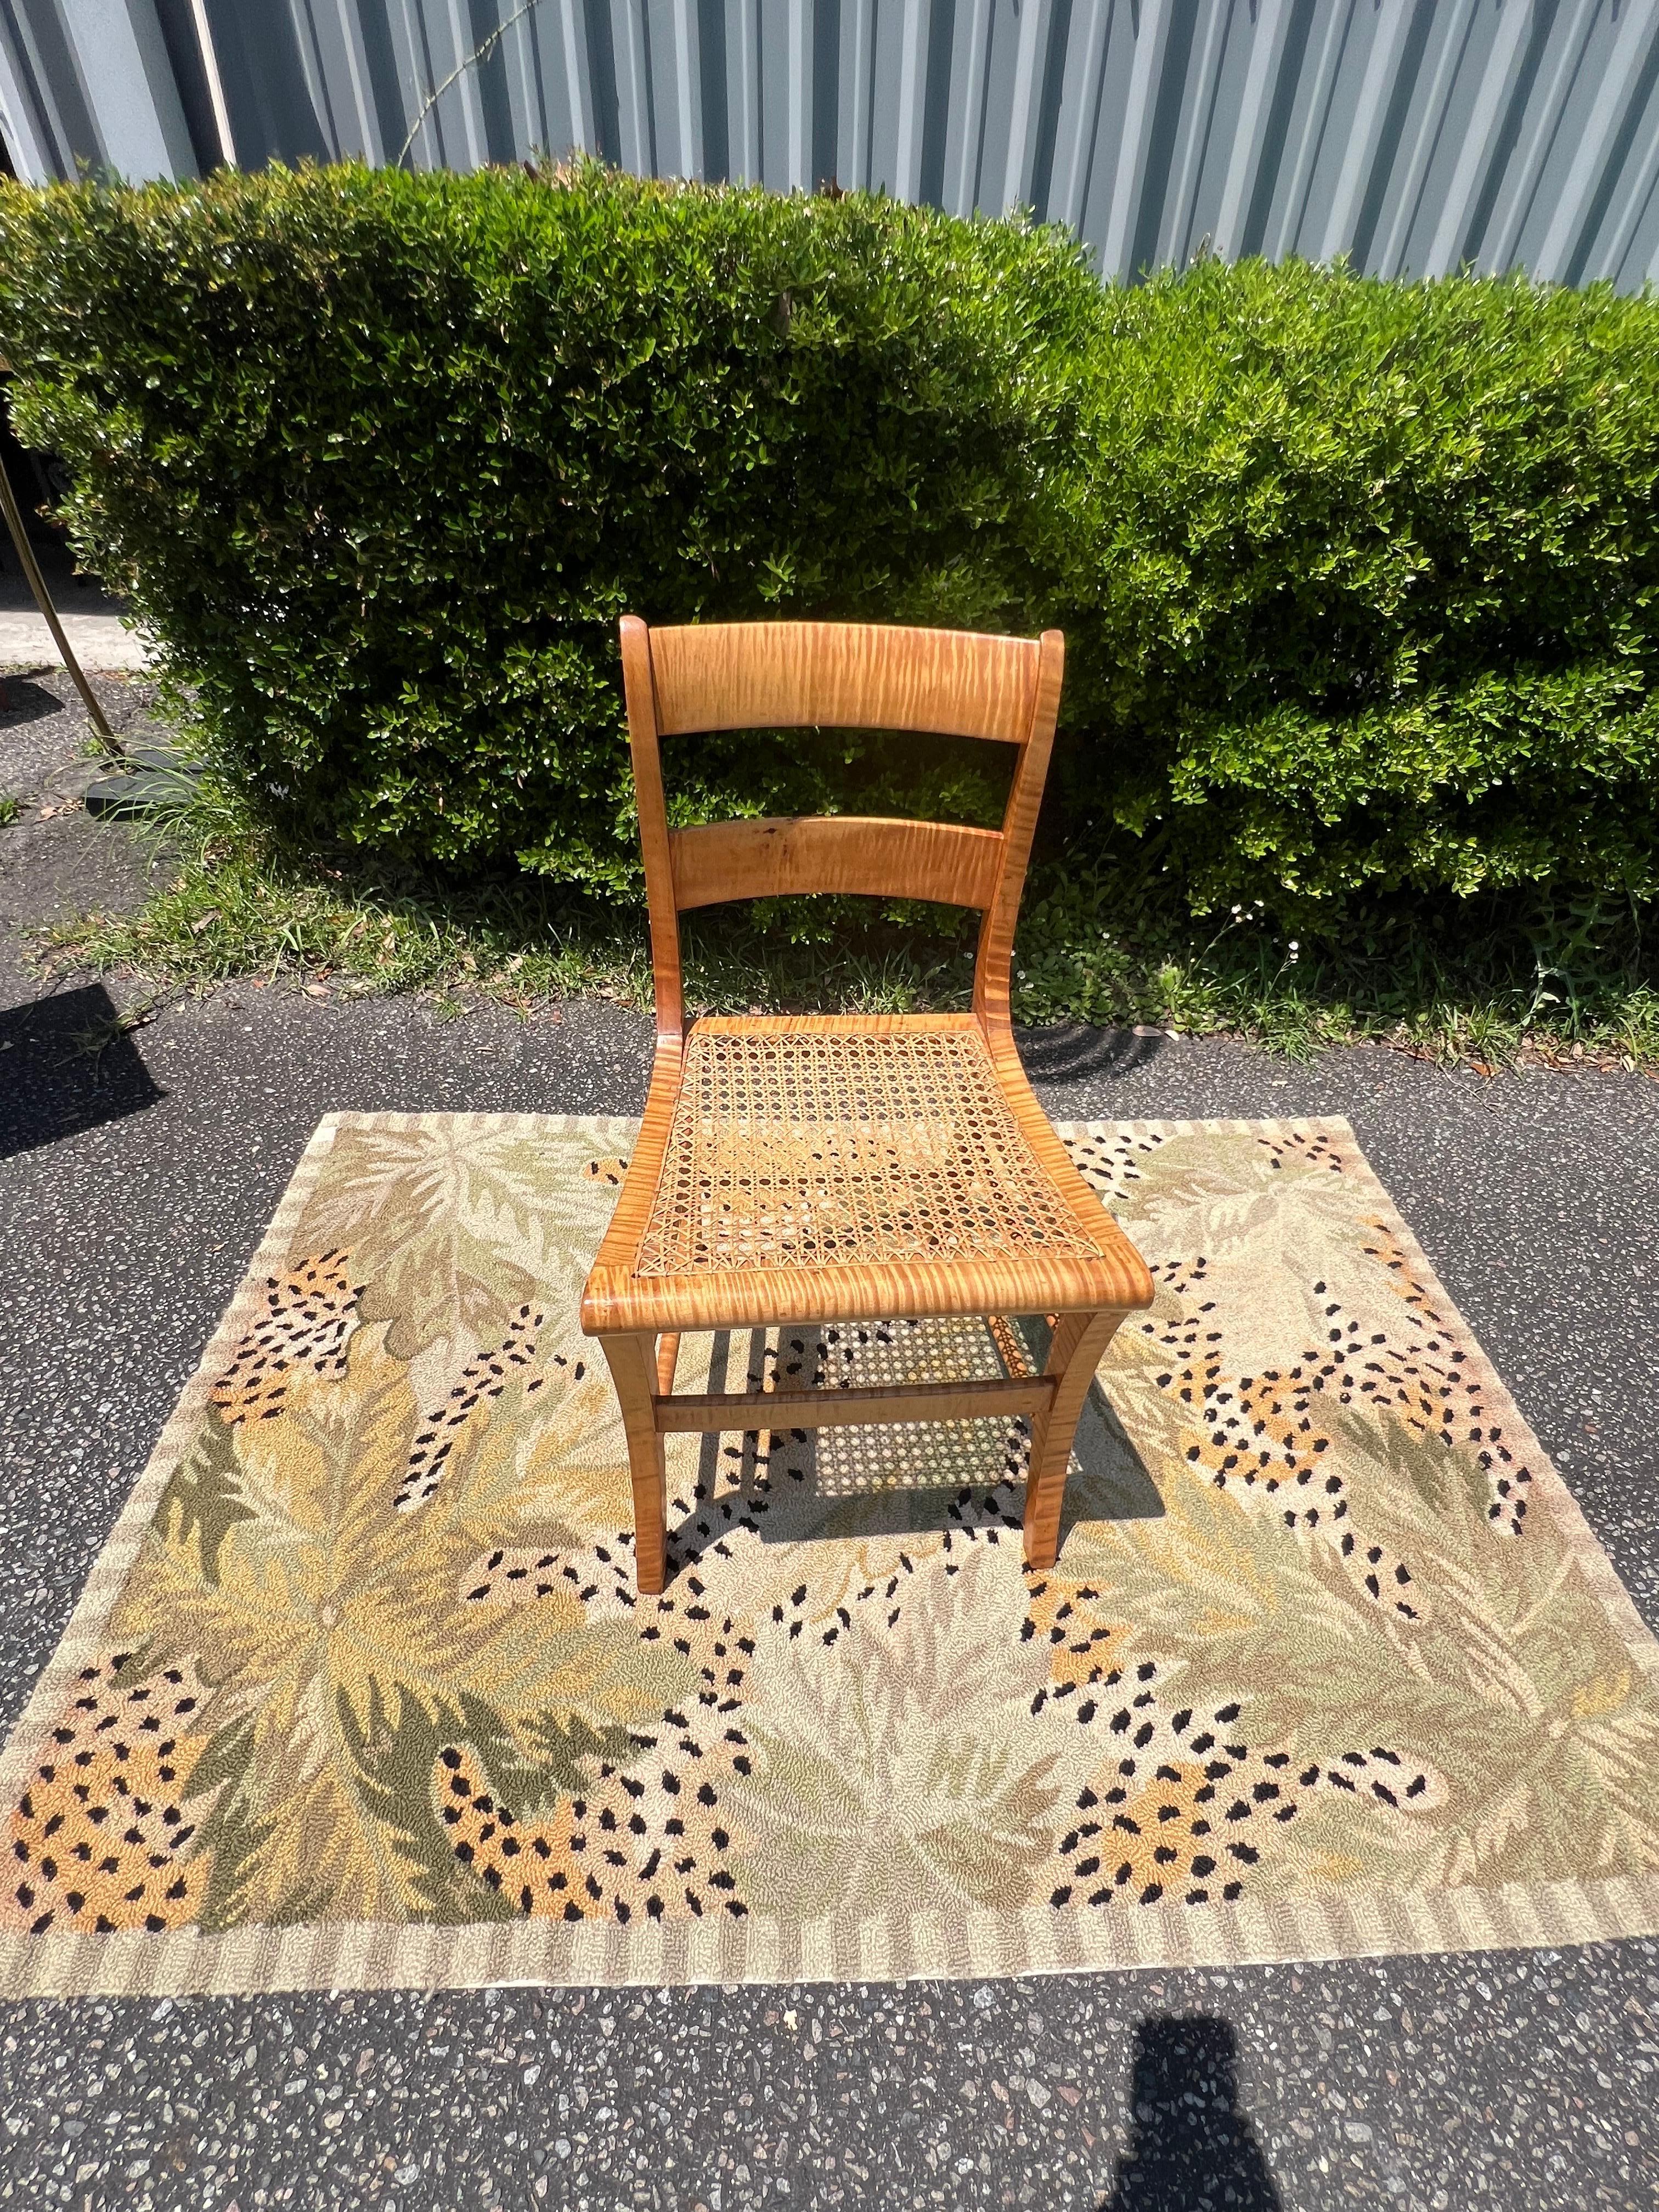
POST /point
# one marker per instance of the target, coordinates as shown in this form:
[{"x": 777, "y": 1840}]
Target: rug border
[{"x": 365, "y": 1956}]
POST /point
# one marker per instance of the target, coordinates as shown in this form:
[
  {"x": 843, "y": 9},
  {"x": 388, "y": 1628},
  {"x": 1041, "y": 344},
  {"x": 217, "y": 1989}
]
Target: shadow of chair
[
  {"x": 807, "y": 1486},
  {"x": 1190, "y": 2148},
  {"x": 1067, "y": 1052}
]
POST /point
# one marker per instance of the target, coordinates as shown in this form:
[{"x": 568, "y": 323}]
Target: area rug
[{"x": 360, "y": 1692}]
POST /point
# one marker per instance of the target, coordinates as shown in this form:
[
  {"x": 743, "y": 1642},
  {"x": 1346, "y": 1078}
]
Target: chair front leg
[
  {"x": 1079, "y": 1340},
  {"x": 633, "y": 1368}
]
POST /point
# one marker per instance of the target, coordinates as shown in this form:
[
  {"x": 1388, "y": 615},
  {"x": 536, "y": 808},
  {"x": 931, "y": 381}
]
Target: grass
[
  {"x": 1481, "y": 983},
  {"x": 1482, "y": 988},
  {"x": 11, "y": 809}
]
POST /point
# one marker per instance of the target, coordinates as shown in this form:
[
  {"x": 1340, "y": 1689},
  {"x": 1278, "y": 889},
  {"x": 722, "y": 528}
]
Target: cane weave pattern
[{"x": 825, "y": 1148}]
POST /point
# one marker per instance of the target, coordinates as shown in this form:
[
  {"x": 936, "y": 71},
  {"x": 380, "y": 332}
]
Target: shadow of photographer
[{"x": 1191, "y": 2149}]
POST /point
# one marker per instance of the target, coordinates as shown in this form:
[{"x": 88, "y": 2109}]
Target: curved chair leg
[
  {"x": 1079, "y": 1340},
  {"x": 633, "y": 1368}
]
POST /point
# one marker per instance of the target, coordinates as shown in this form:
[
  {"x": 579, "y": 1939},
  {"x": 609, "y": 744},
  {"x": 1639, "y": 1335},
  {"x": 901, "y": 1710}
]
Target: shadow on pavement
[
  {"x": 67, "y": 1064},
  {"x": 1191, "y": 2149},
  {"x": 1068, "y": 1051},
  {"x": 22, "y": 702}
]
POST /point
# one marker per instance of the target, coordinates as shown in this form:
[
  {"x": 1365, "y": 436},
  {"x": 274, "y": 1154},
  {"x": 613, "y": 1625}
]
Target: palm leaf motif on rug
[{"x": 1324, "y": 1630}]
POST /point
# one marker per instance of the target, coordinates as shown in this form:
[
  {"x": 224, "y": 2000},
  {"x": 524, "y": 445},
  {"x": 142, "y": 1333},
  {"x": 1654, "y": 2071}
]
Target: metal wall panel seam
[
  {"x": 1243, "y": 166},
  {"x": 1022, "y": 112},
  {"x": 689, "y": 79},
  {"x": 407, "y": 50},
  {"x": 886, "y": 29},
  {"x": 800, "y": 96},
  {"x": 371, "y": 138},
  {"x": 1203, "y": 90},
  {"x": 964, "y": 197},
  {"x": 126, "y": 81},
  {"x": 34, "y": 134},
  {"x": 1310, "y": 139},
  {"x": 1525, "y": 170},
  {"x": 852, "y": 97},
  {"x": 464, "y": 90},
  {"x": 1432, "y": 121},
  {"x": 1497, "y": 88},
  {"x": 69, "y": 82},
  {"x": 912, "y": 81},
  {"x": 1150, "y": 34},
  {"x": 632, "y": 112},
  {"x": 1636, "y": 202},
  {"x": 1382, "y": 65},
  {"x": 1624, "y": 63},
  {"x": 748, "y": 169},
  {"x": 316, "y": 83},
  {"x": 526, "y": 92},
  {"x": 578, "y": 81},
  {"x": 1067, "y": 204}
]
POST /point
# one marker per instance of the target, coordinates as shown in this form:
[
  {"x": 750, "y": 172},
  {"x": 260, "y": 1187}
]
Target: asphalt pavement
[{"x": 138, "y": 1171}]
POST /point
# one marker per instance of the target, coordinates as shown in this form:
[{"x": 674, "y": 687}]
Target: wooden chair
[{"x": 817, "y": 1168}]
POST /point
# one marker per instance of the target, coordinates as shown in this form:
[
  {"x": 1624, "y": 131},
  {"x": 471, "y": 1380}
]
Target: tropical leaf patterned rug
[{"x": 360, "y": 1692}]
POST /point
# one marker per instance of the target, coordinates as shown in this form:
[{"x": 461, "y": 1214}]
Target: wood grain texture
[
  {"x": 744, "y": 1410},
  {"x": 777, "y": 856},
  {"x": 639, "y": 691},
  {"x": 631, "y": 1362},
  {"x": 1076, "y": 1350},
  {"x": 1019, "y": 821},
  {"x": 617, "y": 1298},
  {"x": 1079, "y": 1268},
  {"x": 854, "y": 676},
  {"x": 614, "y": 1260}
]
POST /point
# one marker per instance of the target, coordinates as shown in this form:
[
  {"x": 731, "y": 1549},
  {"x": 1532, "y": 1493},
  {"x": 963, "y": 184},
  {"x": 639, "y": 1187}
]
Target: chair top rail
[
  {"x": 758, "y": 676},
  {"x": 778, "y": 674}
]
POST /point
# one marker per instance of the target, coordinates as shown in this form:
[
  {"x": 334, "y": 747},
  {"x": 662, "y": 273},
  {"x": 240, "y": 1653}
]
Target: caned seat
[{"x": 811, "y": 1168}]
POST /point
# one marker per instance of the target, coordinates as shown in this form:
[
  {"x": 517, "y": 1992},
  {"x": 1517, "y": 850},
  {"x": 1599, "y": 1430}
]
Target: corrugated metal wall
[{"x": 1414, "y": 135}]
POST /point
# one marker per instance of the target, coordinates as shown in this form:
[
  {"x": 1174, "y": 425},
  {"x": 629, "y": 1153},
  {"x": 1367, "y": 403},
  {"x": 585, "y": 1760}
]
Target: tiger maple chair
[{"x": 816, "y": 1168}]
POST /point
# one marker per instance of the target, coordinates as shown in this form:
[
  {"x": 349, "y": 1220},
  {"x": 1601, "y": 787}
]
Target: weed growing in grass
[{"x": 1479, "y": 986}]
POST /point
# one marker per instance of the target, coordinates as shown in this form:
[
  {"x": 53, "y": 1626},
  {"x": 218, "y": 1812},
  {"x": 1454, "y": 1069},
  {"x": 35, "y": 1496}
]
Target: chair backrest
[{"x": 740, "y": 675}]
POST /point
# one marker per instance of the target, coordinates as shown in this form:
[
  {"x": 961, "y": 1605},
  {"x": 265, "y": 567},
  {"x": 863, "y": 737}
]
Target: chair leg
[
  {"x": 633, "y": 1363},
  {"x": 1079, "y": 1340},
  {"x": 668, "y": 1353}
]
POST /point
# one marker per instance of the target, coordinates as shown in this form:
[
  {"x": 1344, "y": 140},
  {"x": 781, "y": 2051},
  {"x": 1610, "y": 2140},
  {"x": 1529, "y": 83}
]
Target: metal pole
[
  {"x": 216, "y": 83},
  {"x": 37, "y": 582}
]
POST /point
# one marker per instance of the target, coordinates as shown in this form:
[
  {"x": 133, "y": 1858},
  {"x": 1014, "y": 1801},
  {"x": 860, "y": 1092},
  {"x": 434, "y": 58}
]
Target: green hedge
[
  {"x": 1369, "y": 591},
  {"x": 1358, "y": 578}
]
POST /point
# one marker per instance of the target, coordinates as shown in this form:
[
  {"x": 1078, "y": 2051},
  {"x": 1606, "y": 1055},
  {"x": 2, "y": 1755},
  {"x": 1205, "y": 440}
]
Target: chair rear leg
[
  {"x": 1079, "y": 1340},
  {"x": 633, "y": 1366}
]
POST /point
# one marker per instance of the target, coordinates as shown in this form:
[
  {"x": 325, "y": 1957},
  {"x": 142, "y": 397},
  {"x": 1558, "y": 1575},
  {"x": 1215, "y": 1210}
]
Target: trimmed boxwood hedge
[
  {"x": 1358, "y": 578},
  {"x": 1370, "y": 592}
]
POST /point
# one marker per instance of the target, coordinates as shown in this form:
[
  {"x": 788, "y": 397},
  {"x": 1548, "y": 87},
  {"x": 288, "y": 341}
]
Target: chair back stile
[
  {"x": 994, "y": 957},
  {"x": 775, "y": 674},
  {"x": 639, "y": 691}
]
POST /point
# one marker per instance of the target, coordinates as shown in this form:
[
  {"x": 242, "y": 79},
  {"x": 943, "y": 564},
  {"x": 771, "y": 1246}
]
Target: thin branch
[{"x": 479, "y": 53}]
